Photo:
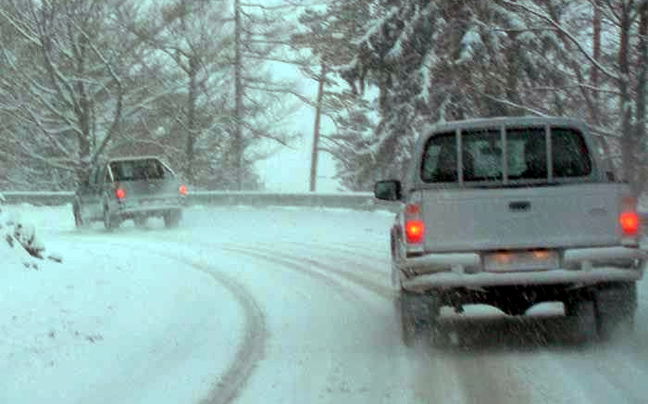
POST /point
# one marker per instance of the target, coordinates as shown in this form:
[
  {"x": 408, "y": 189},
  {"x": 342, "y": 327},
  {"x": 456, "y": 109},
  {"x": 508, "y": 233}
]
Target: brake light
[
  {"x": 629, "y": 222},
  {"x": 414, "y": 226},
  {"x": 414, "y": 230},
  {"x": 120, "y": 193},
  {"x": 182, "y": 190}
]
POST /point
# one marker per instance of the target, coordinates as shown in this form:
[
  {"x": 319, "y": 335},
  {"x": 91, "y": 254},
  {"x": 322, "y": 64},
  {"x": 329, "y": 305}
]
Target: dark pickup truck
[{"x": 129, "y": 188}]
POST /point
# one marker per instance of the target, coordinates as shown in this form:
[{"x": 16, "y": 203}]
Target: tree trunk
[
  {"x": 191, "y": 119},
  {"x": 316, "y": 129},
  {"x": 512, "y": 77},
  {"x": 238, "y": 84},
  {"x": 627, "y": 136},
  {"x": 596, "y": 44},
  {"x": 640, "y": 120}
]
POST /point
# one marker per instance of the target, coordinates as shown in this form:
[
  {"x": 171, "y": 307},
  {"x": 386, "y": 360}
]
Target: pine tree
[{"x": 444, "y": 60}]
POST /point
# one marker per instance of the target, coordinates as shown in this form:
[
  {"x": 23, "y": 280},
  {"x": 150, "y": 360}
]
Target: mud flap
[
  {"x": 418, "y": 316},
  {"x": 615, "y": 308},
  {"x": 583, "y": 320}
]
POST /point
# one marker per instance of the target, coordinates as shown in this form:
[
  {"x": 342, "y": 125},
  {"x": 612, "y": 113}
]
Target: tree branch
[{"x": 565, "y": 32}]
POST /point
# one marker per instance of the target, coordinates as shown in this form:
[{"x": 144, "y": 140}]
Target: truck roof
[
  {"x": 138, "y": 158},
  {"x": 133, "y": 158},
  {"x": 497, "y": 122}
]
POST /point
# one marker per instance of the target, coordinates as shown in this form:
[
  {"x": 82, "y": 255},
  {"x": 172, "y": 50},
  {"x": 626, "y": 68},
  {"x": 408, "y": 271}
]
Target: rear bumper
[
  {"x": 126, "y": 212},
  {"x": 584, "y": 266},
  {"x": 483, "y": 279}
]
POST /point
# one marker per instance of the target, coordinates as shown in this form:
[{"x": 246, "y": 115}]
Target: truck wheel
[
  {"x": 172, "y": 218},
  {"x": 582, "y": 314},
  {"x": 79, "y": 221},
  {"x": 111, "y": 221},
  {"x": 615, "y": 307},
  {"x": 140, "y": 221},
  {"x": 418, "y": 316}
]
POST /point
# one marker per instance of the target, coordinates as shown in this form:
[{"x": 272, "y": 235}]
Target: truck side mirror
[{"x": 388, "y": 190}]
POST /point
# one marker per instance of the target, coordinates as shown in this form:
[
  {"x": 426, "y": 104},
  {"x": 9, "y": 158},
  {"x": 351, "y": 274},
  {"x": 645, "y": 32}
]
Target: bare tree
[
  {"x": 262, "y": 100},
  {"x": 67, "y": 90},
  {"x": 225, "y": 60},
  {"x": 193, "y": 35}
]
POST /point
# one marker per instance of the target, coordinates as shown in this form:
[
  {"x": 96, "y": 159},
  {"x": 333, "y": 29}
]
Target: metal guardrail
[
  {"x": 356, "y": 200},
  {"x": 352, "y": 200},
  {"x": 37, "y": 198},
  {"x": 362, "y": 201}
]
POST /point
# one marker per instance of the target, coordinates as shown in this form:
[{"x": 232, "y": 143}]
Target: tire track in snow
[
  {"x": 381, "y": 255},
  {"x": 272, "y": 254},
  {"x": 293, "y": 263},
  {"x": 349, "y": 257},
  {"x": 299, "y": 262},
  {"x": 251, "y": 349},
  {"x": 296, "y": 267},
  {"x": 296, "y": 262}
]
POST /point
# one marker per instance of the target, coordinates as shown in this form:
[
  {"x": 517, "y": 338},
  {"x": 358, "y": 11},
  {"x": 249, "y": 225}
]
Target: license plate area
[{"x": 528, "y": 260}]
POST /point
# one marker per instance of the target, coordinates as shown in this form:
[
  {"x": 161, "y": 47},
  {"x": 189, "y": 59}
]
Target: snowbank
[
  {"x": 101, "y": 323},
  {"x": 21, "y": 244}
]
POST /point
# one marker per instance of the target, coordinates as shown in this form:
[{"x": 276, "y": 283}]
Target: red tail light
[
  {"x": 414, "y": 226},
  {"x": 182, "y": 190},
  {"x": 414, "y": 231},
  {"x": 120, "y": 193},
  {"x": 629, "y": 222}
]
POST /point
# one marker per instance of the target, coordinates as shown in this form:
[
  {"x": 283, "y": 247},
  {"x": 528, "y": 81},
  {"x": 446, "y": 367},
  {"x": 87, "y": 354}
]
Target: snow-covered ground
[
  {"x": 107, "y": 325},
  {"x": 275, "y": 305}
]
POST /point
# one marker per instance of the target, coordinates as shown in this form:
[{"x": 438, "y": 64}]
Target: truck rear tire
[
  {"x": 140, "y": 221},
  {"x": 79, "y": 220},
  {"x": 583, "y": 316},
  {"x": 418, "y": 315},
  {"x": 111, "y": 221},
  {"x": 615, "y": 307},
  {"x": 172, "y": 218}
]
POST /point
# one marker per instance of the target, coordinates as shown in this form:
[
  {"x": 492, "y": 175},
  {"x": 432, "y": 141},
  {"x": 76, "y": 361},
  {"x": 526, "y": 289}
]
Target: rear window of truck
[
  {"x": 518, "y": 155},
  {"x": 138, "y": 170}
]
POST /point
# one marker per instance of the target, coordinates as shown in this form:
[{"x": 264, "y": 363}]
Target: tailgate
[
  {"x": 150, "y": 193},
  {"x": 502, "y": 218}
]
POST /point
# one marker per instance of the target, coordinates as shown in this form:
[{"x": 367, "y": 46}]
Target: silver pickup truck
[
  {"x": 512, "y": 212},
  {"x": 129, "y": 188}
]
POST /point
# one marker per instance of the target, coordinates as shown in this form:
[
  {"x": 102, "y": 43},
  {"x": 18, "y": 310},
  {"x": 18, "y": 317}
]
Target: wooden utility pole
[
  {"x": 316, "y": 129},
  {"x": 238, "y": 84},
  {"x": 596, "y": 42}
]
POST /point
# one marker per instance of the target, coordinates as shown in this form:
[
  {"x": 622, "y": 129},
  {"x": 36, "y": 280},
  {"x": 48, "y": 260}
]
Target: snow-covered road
[{"x": 273, "y": 305}]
